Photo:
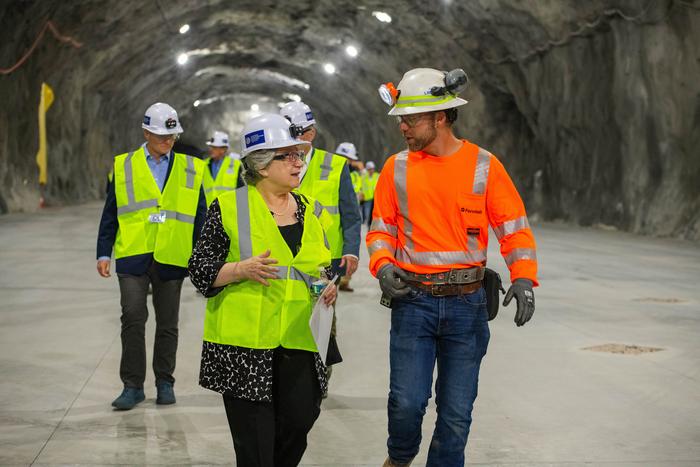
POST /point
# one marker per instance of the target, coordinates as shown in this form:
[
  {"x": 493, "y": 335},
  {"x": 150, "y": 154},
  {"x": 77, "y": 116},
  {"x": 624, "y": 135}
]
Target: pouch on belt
[{"x": 493, "y": 287}]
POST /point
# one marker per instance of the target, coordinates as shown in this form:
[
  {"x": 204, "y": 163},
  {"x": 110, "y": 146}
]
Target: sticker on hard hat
[
  {"x": 256, "y": 137},
  {"x": 170, "y": 123},
  {"x": 146, "y": 120},
  {"x": 225, "y": 141},
  {"x": 309, "y": 116}
]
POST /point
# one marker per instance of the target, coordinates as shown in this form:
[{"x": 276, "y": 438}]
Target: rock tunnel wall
[{"x": 594, "y": 107}]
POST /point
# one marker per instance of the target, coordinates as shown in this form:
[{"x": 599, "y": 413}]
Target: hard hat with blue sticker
[{"x": 254, "y": 138}]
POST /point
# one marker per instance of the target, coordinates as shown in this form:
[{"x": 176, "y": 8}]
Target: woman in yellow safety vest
[{"x": 259, "y": 260}]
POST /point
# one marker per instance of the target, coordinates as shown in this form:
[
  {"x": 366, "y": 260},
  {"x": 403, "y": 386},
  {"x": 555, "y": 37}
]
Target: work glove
[
  {"x": 392, "y": 281},
  {"x": 521, "y": 289}
]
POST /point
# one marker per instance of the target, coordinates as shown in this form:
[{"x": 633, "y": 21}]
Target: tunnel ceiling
[{"x": 594, "y": 107}]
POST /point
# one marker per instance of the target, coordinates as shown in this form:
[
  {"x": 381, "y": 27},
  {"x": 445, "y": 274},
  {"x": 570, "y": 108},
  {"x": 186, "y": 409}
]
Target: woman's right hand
[{"x": 257, "y": 268}]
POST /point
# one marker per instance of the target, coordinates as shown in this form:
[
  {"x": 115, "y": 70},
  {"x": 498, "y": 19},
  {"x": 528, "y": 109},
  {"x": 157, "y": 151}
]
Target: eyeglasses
[
  {"x": 291, "y": 156},
  {"x": 164, "y": 138},
  {"x": 412, "y": 120}
]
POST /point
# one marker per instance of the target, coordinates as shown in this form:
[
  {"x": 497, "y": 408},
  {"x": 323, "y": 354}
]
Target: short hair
[
  {"x": 254, "y": 162},
  {"x": 451, "y": 115}
]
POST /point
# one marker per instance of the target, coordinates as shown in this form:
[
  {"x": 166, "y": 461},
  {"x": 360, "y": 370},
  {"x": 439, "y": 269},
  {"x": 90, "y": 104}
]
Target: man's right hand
[
  {"x": 392, "y": 281},
  {"x": 103, "y": 268},
  {"x": 257, "y": 268}
]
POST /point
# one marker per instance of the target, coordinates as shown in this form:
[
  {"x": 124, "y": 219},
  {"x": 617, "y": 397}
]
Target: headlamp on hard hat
[
  {"x": 389, "y": 93},
  {"x": 456, "y": 81},
  {"x": 296, "y": 130}
]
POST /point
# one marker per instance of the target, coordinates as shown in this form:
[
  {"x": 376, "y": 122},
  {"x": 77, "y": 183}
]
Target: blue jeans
[{"x": 454, "y": 332}]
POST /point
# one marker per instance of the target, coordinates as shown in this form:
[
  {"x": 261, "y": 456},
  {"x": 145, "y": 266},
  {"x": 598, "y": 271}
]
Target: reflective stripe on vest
[
  {"x": 138, "y": 197},
  {"x": 520, "y": 253},
  {"x": 407, "y": 253},
  {"x": 510, "y": 227},
  {"x": 226, "y": 179},
  {"x": 322, "y": 182},
  {"x": 249, "y": 314},
  {"x": 381, "y": 226},
  {"x": 481, "y": 173}
]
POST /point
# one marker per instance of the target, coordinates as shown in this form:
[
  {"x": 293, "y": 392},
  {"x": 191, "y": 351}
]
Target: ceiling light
[
  {"x": 329, "y": 68},
  {"x": 351, "y": 50},
  {"x": 184, "y": 28},
  {"x": 182, "y": 58},
  {"x": 381, "y": 16},
  {"x": 196, "y": 103},
  {"x": 255, "y": 107},
  {"x": 292, "y": 97}
]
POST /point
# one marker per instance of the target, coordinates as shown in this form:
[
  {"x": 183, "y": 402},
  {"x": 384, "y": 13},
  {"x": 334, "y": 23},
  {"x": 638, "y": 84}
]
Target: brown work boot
[{"x": 390, "y": 463}]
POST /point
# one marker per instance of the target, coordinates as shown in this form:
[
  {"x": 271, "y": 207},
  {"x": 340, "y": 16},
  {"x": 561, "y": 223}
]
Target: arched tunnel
[{"x": 593, "y": 108}]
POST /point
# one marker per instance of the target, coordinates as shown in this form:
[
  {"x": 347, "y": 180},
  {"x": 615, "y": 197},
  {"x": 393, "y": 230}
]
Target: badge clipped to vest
[{"x": 157, "y": 217}]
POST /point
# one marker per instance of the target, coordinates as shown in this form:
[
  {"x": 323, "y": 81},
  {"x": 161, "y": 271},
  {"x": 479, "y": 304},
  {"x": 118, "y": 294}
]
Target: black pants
[
  {"x": 166, "y": 303},
  {"x": 273, "y": 434}
]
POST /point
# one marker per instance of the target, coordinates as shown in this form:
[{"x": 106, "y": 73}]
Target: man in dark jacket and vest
[{"x": 153, "y": 213}]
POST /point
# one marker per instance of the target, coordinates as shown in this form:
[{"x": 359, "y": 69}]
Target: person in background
[
  {"x": 152, "y": 216},
  {"x": 261, "y": 248},
  {"x": 223, "y": 171},
  {"x": 369, "y": 184},
  {"x": 349, "y": 151},
  {"x": 326, "y": 178}
]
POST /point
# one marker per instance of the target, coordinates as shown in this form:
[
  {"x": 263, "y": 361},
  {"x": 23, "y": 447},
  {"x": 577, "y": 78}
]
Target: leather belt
[
  {"x": 442, "y": 290},
  {"x": 451, "y": 277}
]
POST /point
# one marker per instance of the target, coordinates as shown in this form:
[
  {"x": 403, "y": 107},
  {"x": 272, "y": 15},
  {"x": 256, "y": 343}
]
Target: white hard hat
[
  {"x": 348, "y": 150},
  {"x": 425, "y": 90},
  {"x": 161, "y": 119},
  {"x": 369, "y": 165},
  {"x": 298, "y": 113},
  {"x": 219, "y": 140},
  {"x": 270, "y": 131}
]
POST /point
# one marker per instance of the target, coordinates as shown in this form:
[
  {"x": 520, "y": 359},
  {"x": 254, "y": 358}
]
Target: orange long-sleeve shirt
[{"x": 432, "y": 214}]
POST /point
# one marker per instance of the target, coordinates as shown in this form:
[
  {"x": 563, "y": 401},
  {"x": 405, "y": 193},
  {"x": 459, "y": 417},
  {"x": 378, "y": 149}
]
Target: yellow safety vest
[
  {"x": 249, "y": 314},
  {"x": 322, "y": 182},
  {"x": 151, "y": 221},
  {"x": 226, "y": 178},
  {"x": 356, "y": 181},
  {"x": 369, "y": 183}
]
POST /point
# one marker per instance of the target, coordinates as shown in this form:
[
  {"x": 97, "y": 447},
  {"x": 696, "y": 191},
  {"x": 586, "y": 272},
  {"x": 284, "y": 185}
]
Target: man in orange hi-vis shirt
[{"x": 427, "y": 243}]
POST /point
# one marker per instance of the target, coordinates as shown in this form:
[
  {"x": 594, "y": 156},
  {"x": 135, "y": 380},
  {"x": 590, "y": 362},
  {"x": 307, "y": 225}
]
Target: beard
[{"x": 419, "y": 142}]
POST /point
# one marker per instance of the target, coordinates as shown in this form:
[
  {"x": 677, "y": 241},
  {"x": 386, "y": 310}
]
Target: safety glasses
[
  {"x": 291, "y": 156},
  {"x": 164, "y": 138},
  {"x": 413, "y": 119}
]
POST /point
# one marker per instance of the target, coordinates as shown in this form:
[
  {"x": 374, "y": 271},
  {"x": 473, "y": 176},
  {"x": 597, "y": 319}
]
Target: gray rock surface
[{"x": 593, "y": 106}]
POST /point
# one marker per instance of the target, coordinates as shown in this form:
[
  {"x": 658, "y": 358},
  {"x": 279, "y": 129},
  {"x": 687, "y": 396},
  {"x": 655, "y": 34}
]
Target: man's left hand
[
  {"x": 521, "y": 289},
  {"x": 350, "y": 264}
]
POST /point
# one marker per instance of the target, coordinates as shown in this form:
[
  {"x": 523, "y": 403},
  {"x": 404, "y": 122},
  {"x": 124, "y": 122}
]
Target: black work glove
[
  {"x": 392, "y": 281},
  {"x": 522, "y": 290}
]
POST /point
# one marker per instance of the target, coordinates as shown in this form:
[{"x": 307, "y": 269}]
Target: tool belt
[
  {"x": 451, "y": 277},
  {"x": 443, "y": 290},
  {"x": 452, "y": 282}
]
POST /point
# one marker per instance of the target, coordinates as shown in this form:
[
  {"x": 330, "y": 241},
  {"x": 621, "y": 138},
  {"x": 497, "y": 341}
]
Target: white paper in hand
[{"x": 320, "y": 323}]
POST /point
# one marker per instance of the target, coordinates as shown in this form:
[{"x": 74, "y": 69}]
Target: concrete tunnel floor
[{"x": 543, "y": 399}]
